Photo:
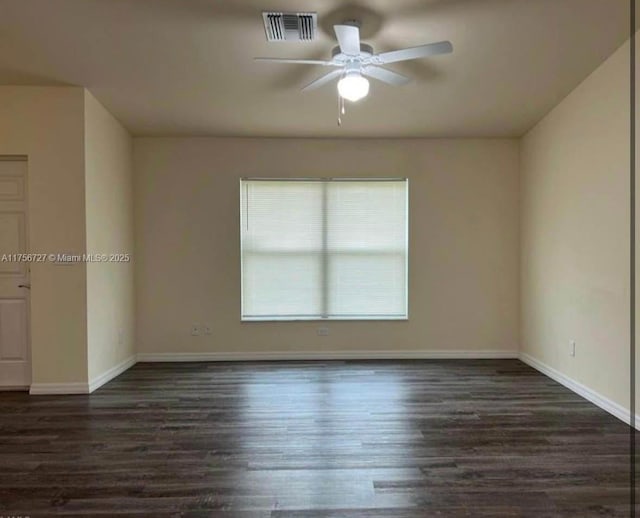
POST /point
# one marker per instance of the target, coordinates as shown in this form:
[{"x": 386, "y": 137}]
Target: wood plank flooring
[{"x": 489, "y": 438}]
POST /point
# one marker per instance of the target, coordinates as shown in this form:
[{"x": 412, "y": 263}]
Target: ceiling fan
[{"x": 355, "y": 61}]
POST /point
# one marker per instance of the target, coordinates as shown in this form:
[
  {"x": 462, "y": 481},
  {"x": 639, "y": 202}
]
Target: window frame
[{"x": 328, "y": 318}]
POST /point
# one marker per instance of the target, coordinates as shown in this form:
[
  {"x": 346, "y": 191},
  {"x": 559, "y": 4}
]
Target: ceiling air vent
[{"x": 290, "y": 26}]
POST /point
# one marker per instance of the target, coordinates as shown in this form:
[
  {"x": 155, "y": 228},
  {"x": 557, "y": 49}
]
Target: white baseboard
[
  {"x": 322, "y": 355},
  {"x": 38, "y": 389},
  {"x": 41, "y": 389},
  {"x": 591, "y": 395},
  {"x": 107, "y": 376}
]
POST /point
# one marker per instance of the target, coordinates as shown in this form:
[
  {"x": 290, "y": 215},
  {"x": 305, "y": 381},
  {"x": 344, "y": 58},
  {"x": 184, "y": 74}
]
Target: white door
[{"x": 15, "y": 364}]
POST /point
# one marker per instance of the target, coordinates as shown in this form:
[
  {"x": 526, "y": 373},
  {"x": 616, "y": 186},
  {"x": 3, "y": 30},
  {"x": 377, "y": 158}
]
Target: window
[{"x": 324, "y": 249}]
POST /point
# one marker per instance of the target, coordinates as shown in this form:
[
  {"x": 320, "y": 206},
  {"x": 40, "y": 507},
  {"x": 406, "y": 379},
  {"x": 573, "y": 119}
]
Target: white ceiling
[{"x": 184, "y": 67}]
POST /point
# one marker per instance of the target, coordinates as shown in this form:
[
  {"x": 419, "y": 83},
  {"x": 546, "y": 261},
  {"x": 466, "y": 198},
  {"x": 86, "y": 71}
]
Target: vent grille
[{"x": 290, "y": 26}]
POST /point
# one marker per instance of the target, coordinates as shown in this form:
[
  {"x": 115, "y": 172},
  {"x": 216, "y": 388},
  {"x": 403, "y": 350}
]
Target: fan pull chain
[{"x": 341, "y": 110}]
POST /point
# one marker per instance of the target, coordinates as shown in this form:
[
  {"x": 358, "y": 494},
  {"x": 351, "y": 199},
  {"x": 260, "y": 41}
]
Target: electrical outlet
[
  {"x": 323, "y": 331},
  {"x": 195, "y": 330},
  {"x": 572, "y": 347},
  {"x": 207, "y": 329}
]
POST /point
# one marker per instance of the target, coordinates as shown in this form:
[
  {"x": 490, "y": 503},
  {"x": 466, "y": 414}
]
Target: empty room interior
[{"x": 317, "y": 258}]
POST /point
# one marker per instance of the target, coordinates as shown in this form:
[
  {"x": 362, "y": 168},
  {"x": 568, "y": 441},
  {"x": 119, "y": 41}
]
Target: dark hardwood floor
[{"x": 315, "y": 439}]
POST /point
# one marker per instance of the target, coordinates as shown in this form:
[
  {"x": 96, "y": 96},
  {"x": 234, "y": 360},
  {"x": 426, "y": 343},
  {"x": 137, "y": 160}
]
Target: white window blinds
[{"x": 324, "y": 249}]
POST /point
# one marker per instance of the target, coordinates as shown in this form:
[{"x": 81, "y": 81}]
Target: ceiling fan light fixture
[{"x": 353, "y": 87}]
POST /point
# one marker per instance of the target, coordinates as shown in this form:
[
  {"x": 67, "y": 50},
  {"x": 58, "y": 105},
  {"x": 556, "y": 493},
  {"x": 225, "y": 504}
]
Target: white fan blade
[
  {"x": 386, "y": 76},
  {"x": 431, "y": 49},
  {"x": 334, "y": 74},
  {"x": 298, "y": 61},
  {"x": 348, "y": 39}
]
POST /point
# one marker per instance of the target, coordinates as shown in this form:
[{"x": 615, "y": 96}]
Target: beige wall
[
  {"x": 109, "y": 227},
  {"x": 575, "y": 233},
  {"x": 80, "y": 199},
  {"x": 463, "y": 286},
  {"x": 47, "y": 125}
]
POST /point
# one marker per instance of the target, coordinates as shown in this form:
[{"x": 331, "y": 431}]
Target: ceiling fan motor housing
[{"x": 365, "y": 51}]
